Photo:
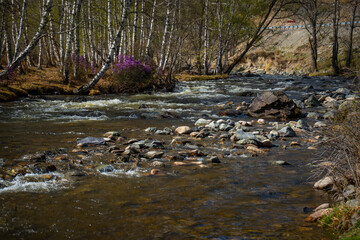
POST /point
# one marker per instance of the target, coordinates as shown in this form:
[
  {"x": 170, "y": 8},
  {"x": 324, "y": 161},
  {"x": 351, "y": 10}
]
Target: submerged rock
[{"x": 273, "y": 105}]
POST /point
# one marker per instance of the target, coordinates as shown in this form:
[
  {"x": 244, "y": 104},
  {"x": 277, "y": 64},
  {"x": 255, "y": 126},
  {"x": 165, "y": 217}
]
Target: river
[{"x": 243, "y": 197}]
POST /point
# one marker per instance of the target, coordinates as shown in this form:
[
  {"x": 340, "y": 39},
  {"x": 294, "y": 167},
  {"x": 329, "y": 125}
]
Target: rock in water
[
  {"x": 273, "y": 105},
  {"x": 90, "y": 141},
  {"x": 183, "y": 130},
  {"x": 287, "y": 132},
  {"x": 324, "y": 183}
]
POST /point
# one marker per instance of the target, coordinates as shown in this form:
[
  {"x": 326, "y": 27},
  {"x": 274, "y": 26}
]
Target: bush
[{"x": 130, "y": 75}]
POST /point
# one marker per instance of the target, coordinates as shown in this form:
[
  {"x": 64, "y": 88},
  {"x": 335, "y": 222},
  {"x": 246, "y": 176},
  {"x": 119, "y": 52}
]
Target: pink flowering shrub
[{"x": 128, "y": 73}]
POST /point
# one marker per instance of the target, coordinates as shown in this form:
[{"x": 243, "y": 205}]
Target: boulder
[{"x": 273, "y": 105}]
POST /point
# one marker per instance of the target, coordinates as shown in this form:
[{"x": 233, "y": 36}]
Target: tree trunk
[
  {"x": 61, "y": 8},
  {"x": 219, "y": 65},
  {"x": 21, "y": 27},
  {"x": 206, "y": 38},
  {"x": 39, "y": 56},
  {"x": 134, "y": 36},
  {"x": 110, "y": 31},
  {"x": 44, "y": 20},
  {"x": 115, "y": 43},
  {"x": 163, "y": 41},
  {"x": 141, "y": 40},
  {"x": 91, "y": 40},
  {"x": 352, "y": 26},
  {"x": 151, "y": 30},
  {"x": 2, "y": 26},
  {"x": 335, "y": 50},
  {"x": 77, "y": 39}
]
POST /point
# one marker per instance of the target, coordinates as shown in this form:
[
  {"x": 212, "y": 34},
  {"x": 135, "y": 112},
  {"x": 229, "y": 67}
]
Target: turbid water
[{"x": 243, "y": 197}]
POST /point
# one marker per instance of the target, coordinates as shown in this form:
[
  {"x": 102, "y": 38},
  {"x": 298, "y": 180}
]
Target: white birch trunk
[
  {"x": 134, "y": 39},
  {"x": 21, "y": 27},
  {"x": 163, "y": 41},
  {"x": 171, "y": 34},
  {"x": 110, "y": 31},
  {"x": 61, "y": 34},
  {"x": 141, "y": 40},
  {"x": 91, "y": 39},
  {"x": 112, "y": 50},
  {"x": 151, "y": 29},
  {"x": 206, "y": 38}
]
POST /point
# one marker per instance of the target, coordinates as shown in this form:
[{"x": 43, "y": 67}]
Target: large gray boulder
[{"x": 273, "y": 105}]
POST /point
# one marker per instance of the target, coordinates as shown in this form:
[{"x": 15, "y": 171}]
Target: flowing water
[{"x": 244, "y": 197}]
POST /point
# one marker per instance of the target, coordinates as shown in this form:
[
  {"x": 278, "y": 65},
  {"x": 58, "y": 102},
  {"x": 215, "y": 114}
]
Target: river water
[{"x": 244, "y": 197}]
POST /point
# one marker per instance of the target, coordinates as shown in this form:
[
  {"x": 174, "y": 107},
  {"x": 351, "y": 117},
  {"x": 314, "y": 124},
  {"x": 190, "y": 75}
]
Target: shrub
[{"x": 130, "y": 75}]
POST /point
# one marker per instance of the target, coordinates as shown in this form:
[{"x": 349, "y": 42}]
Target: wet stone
[
  {"x": 183, "y": 130},
  {"x": 151, "y": 130},
  {"x": 90, "y": 141},
  {"x": 154, "y": 154},
  {"x": 287, "y": 132},
  {"x": 313, "y": 115},
  {"x": 202, "y": 122},
  {"x": 214, "y": 159},
  {"x": 37, "y": 157}
]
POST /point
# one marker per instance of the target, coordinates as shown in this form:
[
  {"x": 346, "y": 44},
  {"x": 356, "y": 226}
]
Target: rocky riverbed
[{"x": 223, "y": 133}]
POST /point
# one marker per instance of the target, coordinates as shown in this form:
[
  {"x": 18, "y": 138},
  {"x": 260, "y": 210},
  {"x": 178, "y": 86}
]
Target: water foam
[{"x": 34, "y": 183}]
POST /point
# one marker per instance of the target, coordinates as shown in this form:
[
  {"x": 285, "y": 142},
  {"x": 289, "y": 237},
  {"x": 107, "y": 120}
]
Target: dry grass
[
  {"x": 342, "y": 149},
  {"x": 188, "y": 77}
]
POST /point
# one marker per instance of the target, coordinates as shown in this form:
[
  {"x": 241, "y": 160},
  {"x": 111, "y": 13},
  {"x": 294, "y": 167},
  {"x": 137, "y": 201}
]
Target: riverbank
[{"x": 48, "y": 81}]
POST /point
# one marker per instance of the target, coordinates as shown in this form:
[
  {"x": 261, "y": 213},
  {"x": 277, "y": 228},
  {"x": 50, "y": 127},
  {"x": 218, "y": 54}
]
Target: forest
[{"x": 84, "y": 38}]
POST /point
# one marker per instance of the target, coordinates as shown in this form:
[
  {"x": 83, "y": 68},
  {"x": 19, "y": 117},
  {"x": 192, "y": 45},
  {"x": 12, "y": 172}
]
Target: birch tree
[{"x": 151, "y": 29}]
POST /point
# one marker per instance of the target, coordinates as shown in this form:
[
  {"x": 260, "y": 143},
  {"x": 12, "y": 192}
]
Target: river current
[{"x": 244, "y": 197}]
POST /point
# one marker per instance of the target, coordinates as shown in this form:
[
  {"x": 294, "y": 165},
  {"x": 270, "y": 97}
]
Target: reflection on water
[{"x": 241, "y": 198}]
